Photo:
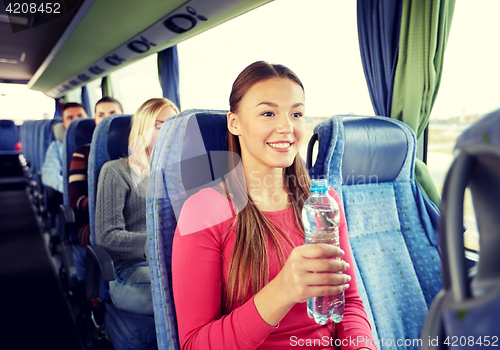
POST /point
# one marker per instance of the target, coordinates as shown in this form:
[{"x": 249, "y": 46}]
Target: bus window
[
  {"x": 468, "y": 91},
  {"x": 18, "y": 103},
  {"x": 74, "y": 96},
  {"x": 95, "y": 94},
  {"x": 330, "y": 70},
  {"x": 136, "y": 83}
]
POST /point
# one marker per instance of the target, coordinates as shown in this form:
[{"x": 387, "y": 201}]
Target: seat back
[
  {"x": 24, "y": 139},
  {"x": 370, "y": 163},
  {"x": 190, "y": 154},
  {"x": 469, "y": 309},
  {"x": 484, "y": 131},
  {"x": 21, "y": 133},
  {"x": 109, "y": 142},
  {"x": 31, "y": 144},
  {"x": 78, "y": 134},
  {"x": 125, "y": 330},
  {"x": 38, "y": 154},
  {"x": 8, "y": 137},
  {"x": 47, "y": 136}
]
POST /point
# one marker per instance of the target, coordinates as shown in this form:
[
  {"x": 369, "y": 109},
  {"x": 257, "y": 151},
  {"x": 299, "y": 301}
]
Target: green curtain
[
  {"x": 106, "y": 86},
  {"x": 425, "y": 26}
]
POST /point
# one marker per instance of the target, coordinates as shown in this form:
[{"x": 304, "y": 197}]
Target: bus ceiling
[
  {"x": 90, "y": 39},
  {"x": 26, "y": 38}
]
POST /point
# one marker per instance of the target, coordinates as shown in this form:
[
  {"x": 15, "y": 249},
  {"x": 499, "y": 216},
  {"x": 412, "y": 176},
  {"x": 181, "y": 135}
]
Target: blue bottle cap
[{"x": 318, "y": 185}]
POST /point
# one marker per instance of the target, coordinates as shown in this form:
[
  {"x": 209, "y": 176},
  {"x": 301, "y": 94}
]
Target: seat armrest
[
  {"x": 67, "y": 217},
  {"x": 98, "y": 263},
  {"x": 98, "y": 267}
]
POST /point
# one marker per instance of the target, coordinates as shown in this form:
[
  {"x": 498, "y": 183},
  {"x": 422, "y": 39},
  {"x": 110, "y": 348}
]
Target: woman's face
[
  {"x": 165, "y": 113},
  {"x": 270, "y": 123}
]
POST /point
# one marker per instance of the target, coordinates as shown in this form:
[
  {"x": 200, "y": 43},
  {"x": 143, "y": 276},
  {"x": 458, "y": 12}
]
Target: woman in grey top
[{"x": 121, "y": 209}]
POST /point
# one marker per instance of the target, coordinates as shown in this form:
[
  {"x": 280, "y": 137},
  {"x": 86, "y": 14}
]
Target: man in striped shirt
[{"x": 77, "y": 182}]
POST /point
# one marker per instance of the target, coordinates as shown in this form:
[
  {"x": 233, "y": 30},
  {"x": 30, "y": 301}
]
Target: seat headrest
[
  {"x": 201, "y": 163},
  {"x": 83, "y": 133},
  {"x": 119, "y": 131},
  {"x": 58, "y": 130},
  {"x": 484, "y": 131},
  {"x": 7, "y": 124},
  {"x": 375, "y": 150},
  {"x": 8, "y": 136}
]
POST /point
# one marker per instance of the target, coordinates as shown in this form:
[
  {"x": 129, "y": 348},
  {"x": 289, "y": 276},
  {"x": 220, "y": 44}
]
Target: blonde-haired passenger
[{"x": 121, "y": 209}]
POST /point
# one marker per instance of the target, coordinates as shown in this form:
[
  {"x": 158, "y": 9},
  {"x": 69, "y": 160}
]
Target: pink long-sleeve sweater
[{"x": 200, "y": 262}]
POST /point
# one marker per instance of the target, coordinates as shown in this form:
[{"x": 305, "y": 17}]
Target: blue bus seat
[
  {"x": 25, "y": 128},
  {"x": 78, "y": 134},
  {"x": 484, "y": 131},
  {"x": 469, "y": 309},
  {"x": 185, "y": 160},
  {"x": 22, "y": 155},
  {"x": 24, "y": 141},
  {"x": 31, "y": 145},
  {"x": 10, "y": 162},
  {"x": 47, "y": 137},
  {"x": 37, "y": 133},
  {"x": 392, "y": 227},
  {"x": 37, "y": 164},
  {"x": 8, "y": 137},
  {"x": 27, "y": 151},
  {"x": 126, "y": 330}
]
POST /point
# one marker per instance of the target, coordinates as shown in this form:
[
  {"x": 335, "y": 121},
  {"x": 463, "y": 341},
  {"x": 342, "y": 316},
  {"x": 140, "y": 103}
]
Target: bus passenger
[
  {"x": 77, "y": 182},
  {"x": 121, "y": 209},
  {"x": 241, "y": 273},
  {"x": 53, "y": 164}
]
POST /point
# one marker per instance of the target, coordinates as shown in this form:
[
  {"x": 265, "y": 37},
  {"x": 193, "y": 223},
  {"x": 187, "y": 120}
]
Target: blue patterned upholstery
[
  {"x": 185, "y": 160},
  {"x": 370, "y": 162},
  {"x": 126, "y": 330}
]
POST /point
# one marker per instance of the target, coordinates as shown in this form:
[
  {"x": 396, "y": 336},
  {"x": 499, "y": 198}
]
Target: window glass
[
  {"x": 74, "y": 96},
  {"x": 18, "y": 103},
  {"x": 321, "y": 46},
  {"x": 469, "y": 90},
  {"x": 95, "y": 94},
  {"x": 136, "y": 83}
]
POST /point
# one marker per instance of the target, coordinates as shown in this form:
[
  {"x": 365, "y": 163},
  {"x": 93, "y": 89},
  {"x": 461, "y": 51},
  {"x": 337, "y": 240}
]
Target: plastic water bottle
[{"x": 321, "y": 217}]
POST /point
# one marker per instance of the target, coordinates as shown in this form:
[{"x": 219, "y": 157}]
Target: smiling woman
[
  {"x": 269, "y": 124},
  {"x": 265, "y": 267}
]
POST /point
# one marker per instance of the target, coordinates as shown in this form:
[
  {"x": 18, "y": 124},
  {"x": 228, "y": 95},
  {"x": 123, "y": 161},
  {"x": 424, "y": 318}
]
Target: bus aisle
[{"x": 34, "y": 314}]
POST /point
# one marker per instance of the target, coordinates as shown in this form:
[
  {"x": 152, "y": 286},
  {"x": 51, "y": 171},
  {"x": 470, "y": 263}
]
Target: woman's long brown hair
[{"x": 249, "y": 267}]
